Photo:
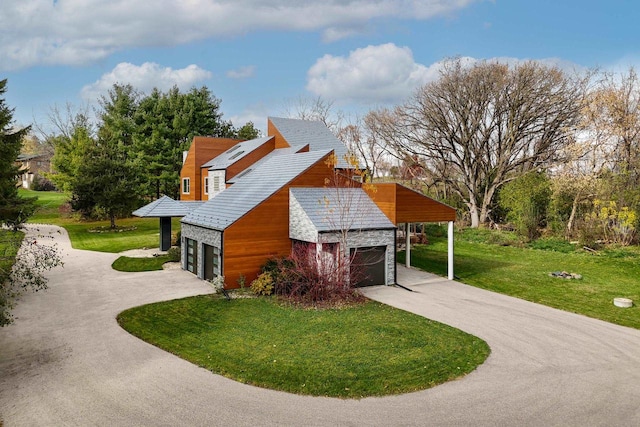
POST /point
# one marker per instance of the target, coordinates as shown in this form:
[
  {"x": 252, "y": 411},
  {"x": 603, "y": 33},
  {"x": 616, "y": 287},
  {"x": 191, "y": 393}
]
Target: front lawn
[
  {"x": 524, "y": 273},
  {"x": 132, "y": 233},
  {"x": 364, "y": 350}
]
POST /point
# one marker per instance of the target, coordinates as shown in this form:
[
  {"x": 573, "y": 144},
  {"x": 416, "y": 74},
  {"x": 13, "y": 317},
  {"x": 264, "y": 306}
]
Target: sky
[{"x": 259, "y": 57}]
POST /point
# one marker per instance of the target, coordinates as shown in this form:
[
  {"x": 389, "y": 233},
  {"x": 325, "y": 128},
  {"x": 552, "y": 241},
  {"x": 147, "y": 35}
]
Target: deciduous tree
[{"x": 481, "y": 126}]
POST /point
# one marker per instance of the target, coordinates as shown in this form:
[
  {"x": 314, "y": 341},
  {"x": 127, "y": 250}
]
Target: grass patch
[
  {"x": 523, "y": 273},
  {"x": 132, "y": 233},
  {"x": 132, "y": 265},
  {"x": 48, "y": 206},
  {"x": 365, "y": 350},
  {"x": 9, "y": 244}
]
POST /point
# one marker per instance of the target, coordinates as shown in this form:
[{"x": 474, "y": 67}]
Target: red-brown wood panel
[
  {"x": 202, "y": 150},
  {"x": 264, "y": 231},
  {"x": 401, "y": 204},
  {"x": 279, "y": 139}
]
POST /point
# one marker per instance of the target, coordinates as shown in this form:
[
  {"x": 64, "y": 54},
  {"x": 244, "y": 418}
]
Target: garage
[{"x": 370, "y": 265}]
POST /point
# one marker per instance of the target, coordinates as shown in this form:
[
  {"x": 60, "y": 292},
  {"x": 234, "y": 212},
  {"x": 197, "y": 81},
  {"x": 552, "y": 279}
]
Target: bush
[
  {"x": 263, "y": 285},
  {"x": 526, "y": 200},
  {"x": 174, "y": 254},
  {"x": 326, "y": 280},
  {"x": 42, "y": 184}
]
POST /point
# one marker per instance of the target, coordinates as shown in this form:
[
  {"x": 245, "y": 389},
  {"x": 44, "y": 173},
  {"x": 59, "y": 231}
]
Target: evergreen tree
[{"x": 14, "y": 210}]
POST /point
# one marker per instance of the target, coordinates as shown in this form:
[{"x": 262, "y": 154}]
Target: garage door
[{"x": 370, "y": 265}]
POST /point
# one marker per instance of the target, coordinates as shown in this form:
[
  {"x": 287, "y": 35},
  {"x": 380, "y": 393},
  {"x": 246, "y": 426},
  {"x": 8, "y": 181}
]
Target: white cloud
[
  {"x": 242, "y": 72},
  {"x": 385, "y": 74},
  {"x": 144, "y": 78},
  {"x": 35, "y": 32}
]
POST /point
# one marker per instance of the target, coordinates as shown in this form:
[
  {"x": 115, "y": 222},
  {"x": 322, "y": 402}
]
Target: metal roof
[
  {"x": 276, "y": 152},
  {"x": 235, "y": 153},
  {"x": 334, "y": 209},
  {"x": 254, "y": 188},
  {"x": 165, "y": 206},
  {"x": 314, "y": 133}
]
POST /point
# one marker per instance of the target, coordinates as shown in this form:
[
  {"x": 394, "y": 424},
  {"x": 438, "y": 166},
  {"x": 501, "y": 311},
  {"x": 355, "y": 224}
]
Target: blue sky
[{"x": 258, "y": 56}]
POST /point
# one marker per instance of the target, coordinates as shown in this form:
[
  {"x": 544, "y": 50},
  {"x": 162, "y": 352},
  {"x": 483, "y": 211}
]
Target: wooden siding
[
  {"x": 202, "y": 150},
  {"x": 401, "y": 204},
  {"x": 280, "y": 141},
  {"x": 264, "y": 231}
]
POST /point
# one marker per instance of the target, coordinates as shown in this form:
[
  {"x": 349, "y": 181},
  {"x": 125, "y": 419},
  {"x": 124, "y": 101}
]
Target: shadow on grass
[{"x": 433, "y": 260}]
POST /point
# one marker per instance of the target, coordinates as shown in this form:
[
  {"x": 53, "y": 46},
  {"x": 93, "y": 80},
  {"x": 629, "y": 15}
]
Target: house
[
  {"x": 253, "y": 200},
  {"x": 32, "y": 166}
]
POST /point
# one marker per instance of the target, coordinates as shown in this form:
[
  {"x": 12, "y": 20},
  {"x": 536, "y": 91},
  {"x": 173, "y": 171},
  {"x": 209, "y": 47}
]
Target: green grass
[
  {"x": 365, "y": 350},
  {"x": 523, "y": 273},
  {"x": 146, "y": 232},
  {"x": 48, "y": 205},
  {"x": 130, "y": 264},
  {"x": 9, "y": 243}
]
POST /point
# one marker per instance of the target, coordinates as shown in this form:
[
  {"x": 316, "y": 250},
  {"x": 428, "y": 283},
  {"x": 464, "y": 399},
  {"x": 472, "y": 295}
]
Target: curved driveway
[{"x": 66, "y": 361}]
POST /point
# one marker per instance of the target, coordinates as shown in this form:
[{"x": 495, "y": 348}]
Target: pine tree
[{"x": 14, "y": 210}]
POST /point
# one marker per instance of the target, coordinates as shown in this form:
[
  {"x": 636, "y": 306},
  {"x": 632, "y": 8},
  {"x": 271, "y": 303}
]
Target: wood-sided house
[{"x": 260, "y": 198}]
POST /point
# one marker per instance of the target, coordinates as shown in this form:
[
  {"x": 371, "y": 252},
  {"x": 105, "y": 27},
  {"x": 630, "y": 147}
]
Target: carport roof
[{"x": 165, "y": 206}]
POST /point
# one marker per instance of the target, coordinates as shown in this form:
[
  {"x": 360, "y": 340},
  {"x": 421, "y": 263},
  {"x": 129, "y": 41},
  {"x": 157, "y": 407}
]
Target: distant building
[{"x": 32, "y": 166}]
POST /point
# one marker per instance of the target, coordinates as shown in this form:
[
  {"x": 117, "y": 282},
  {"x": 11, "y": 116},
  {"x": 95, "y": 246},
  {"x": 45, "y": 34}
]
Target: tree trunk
[
  {"x": 112, "y": 217},
  {"x": 475, "y": 218},
  {"x": 572, "y": 216}
]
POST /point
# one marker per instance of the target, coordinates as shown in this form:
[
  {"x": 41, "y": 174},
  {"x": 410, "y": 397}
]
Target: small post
[{"x": 450, "y": 251}]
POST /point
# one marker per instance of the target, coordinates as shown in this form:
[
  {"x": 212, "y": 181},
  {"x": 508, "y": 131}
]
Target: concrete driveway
[{"x": 66, "y": 361}]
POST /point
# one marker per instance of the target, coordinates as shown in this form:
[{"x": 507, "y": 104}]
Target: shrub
[
  {"x": 526, "y": 200},
  {"x": 306, "y": 278},
  {"x": 42, "y": 184},
  {"x": 173, "y": 254},
  {"x": 263, "y": 285}
]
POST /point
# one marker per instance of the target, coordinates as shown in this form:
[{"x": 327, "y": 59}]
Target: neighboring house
[
  {"x": 262, "y": 197},
  {"x": 32, "y": 166}
]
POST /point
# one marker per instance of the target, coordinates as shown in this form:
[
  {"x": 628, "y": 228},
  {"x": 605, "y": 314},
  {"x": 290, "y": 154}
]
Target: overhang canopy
[
  {"x": 403, "y": 205},
  {"x": 165, "y": 206}
]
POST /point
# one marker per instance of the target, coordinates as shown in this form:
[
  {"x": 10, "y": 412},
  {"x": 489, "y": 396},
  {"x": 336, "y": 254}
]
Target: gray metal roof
[
  {"x": 237, "y": 200},
  {"x": 314, "y": 133},
  {"x": 235, "y": 153},
  {"x": 165, "y": 206},
  {"x": 334, "y": 209},
  {"x": 276, "y": 152}
]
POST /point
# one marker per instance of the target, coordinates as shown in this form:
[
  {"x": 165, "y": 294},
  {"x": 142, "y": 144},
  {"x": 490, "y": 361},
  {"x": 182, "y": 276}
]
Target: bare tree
[
  {"x": 317, "y": 109},
  {"x": 479, "y": 127},
  {"x": 363, "y": 139}
]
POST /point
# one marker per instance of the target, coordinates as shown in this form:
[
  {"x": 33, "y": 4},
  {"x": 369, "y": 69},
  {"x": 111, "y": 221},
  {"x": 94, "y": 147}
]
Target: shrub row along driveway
[{"x": 66, "y": 362}]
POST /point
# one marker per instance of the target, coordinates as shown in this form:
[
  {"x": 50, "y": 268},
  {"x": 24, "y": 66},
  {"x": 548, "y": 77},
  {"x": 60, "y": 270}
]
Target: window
[
  {"x": 235, "y": 156},
  {"x": 186, "y": 185},
  {"x": 206, "y": 185},
  {"x": 192, "y": 255},
  {"x": 216, "y": 261},
  {"x": 216, "y": 183}
]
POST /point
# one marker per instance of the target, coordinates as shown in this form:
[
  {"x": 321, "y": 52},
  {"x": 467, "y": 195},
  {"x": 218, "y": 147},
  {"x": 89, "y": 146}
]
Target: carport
[
  {"x": 166, "y": 208},
  {"x": 405, "y": 206}
]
